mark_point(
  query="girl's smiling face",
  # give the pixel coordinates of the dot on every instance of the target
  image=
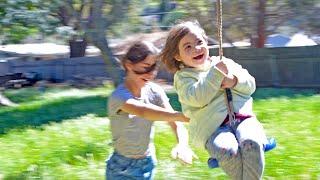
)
(193, 50)
(143, 71)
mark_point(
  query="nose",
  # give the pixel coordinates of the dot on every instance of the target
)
(197, 47)
(151, 74)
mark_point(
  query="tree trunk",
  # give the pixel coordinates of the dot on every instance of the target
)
(112, 65)
(96, 29)
(261, 10)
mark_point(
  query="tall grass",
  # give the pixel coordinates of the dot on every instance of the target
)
(64, 134)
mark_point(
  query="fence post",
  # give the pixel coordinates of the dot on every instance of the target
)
(274, 70)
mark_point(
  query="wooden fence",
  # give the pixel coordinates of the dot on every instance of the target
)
(280, 67)
(272, 67)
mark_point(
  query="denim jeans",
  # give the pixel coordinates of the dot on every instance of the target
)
(123, 168)
(239, 148)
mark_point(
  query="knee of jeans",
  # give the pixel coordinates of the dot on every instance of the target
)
(230, 152)
(222, 152)
(249, 145)
(217, 151)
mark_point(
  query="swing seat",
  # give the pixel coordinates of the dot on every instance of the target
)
(213, 162)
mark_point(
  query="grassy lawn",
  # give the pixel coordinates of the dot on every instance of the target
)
(63, 133)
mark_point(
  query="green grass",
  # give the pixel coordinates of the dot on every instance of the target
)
(63, 133)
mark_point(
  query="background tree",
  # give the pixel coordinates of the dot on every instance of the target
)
(254, 20)
(93, 19)
(22, 18)
(89, 20)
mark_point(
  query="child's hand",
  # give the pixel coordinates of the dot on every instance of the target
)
(222, 66)
(185, 119)
(229, 81)
(183, 153)
(182, 117)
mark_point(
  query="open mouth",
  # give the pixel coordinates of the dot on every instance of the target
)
(198, 57)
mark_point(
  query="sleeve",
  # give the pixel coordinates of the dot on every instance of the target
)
(116, 100)
(246, 83)
(197, 91)
(160, 95)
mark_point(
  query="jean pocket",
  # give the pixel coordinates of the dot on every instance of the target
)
(147, 164)
(117, 163)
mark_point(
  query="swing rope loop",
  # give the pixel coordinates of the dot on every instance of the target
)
(228, 94)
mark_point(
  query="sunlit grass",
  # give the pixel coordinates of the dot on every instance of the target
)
(64, 134)
(74, 149)
(294, 123)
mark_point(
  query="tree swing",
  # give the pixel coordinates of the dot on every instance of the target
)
(271, 143)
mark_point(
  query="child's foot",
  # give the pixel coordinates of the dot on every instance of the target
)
(213, 162)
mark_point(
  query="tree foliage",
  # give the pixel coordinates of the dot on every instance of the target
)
(241, 18)
(92, 21)
(21, 18)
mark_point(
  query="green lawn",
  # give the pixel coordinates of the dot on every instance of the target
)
(63, 133)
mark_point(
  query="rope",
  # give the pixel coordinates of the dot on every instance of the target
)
(219, 20)
(228, 95)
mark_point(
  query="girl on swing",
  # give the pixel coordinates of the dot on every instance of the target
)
(200, 82)
(133, 107)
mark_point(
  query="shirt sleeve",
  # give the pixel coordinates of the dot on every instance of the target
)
(197, 90)
(160, 95)
(246, 83)
(116, 100)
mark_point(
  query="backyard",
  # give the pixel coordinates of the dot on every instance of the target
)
(63, 133)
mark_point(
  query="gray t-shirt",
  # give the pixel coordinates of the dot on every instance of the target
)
(132, 135)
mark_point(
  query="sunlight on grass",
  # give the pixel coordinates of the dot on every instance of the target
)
(72, 93)
(65, 135)
(293, 121)
(36, 109)
(33, 94)
(76, 143)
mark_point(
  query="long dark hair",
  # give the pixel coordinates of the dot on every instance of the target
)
(138, 51)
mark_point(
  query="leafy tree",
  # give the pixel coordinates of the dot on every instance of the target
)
(254, 19)
(297, 14)
(91, 21)
(22, 18)
(85, 20)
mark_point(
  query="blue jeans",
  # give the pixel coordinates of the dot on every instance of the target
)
(239, 148)
(123, 168)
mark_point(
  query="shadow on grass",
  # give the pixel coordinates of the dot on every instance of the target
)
(66, 108)
(69, 108)
(266, 93)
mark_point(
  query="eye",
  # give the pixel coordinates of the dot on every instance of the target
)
(187, 47)
(147, 69)
(200, 42)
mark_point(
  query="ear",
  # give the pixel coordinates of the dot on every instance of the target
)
(127, 65)
(177, 57)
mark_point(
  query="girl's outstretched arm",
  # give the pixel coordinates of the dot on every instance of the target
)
(152, 112)
(182, 150)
